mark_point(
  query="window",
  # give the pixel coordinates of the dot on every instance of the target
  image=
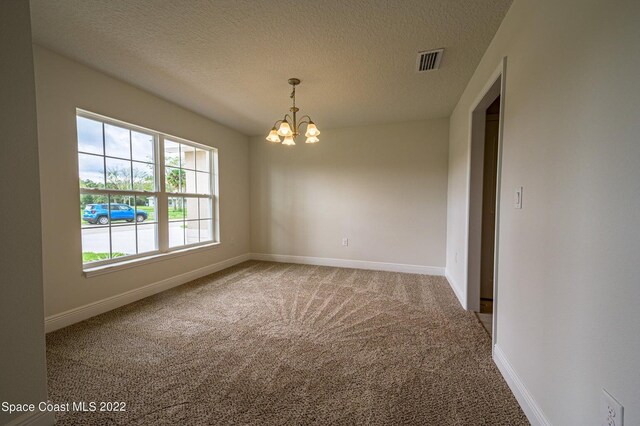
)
(188, 181)
(141, 192)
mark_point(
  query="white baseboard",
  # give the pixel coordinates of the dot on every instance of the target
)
(64, 319)
(456, 290)
(36, 418)
(57, 321)
(520, 391)
(346, 263)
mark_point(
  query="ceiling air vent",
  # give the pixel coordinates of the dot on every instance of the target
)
(429, 60)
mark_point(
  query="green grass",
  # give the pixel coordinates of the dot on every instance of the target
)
(176, 214)
(89, 256)
(151, 212)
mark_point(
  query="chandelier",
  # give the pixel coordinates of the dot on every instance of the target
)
(289, 127)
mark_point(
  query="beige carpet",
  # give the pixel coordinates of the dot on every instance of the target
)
(266, 343)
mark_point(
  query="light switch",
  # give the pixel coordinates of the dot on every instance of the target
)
(518, 199)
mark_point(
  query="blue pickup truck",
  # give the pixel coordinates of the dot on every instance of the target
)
(99, 213)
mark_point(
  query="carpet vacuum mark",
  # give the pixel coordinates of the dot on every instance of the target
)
(269, 343)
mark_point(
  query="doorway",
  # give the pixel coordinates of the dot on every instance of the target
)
(483, 226)
(488, 233)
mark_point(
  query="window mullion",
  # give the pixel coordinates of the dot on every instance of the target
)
(98, 191)
(104, 158)
(190, 195)
(110, 237)
(215, 195)
(162, 200)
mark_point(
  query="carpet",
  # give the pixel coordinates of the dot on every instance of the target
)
(270, 343)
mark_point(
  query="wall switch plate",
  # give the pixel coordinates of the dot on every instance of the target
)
(345, 242)
(611, 411)
(518, 199)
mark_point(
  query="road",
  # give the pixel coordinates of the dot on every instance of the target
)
(123, 237)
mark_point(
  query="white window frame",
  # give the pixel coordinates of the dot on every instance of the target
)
(161, 196)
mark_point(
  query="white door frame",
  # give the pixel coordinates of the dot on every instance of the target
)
(494, 87)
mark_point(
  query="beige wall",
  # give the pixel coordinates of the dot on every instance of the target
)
(62, 85)
(384, 187)
(568, 292)
(23, 376)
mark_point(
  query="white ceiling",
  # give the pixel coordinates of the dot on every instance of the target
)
(229, 60)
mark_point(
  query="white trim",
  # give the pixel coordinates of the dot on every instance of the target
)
(525, 399)
(347, 263)
(160, 193)
(456, 290)
(473, 286)
(121, 123)
(36, 418)
(63, 319)
(496, 246)
(72, 316)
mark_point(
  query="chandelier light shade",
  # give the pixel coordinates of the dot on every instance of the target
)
(312, 130)
(285, 129)
(273, 136)
(289, 127)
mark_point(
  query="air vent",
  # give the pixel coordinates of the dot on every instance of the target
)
(430, 60)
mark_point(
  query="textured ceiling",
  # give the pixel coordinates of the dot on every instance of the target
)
(230, 59)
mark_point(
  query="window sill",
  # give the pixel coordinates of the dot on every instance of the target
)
(140, 261)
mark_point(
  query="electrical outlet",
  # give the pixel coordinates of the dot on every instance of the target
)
(611, 411)
(345, 242)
